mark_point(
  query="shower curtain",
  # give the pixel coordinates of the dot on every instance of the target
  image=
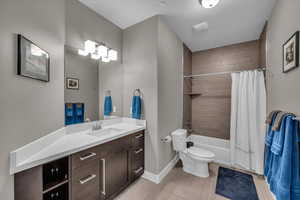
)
(248, 114)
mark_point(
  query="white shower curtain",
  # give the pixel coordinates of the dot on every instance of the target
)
(248, 114)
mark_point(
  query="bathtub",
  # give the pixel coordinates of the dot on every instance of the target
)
(220, 147)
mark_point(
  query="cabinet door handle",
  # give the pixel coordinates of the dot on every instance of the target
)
(138, 151)
(103, 176)
(87, 179)
(139, 136)
(138, 170)
(87, 156)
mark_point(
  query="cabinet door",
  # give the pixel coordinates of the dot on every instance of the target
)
(115, 173)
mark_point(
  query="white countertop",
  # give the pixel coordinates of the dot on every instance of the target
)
(70, 140)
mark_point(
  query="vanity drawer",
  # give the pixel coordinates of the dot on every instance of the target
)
(85, 157)
(137, 162)
(138, 139)
(138, 154)
(85, 182)
(137, 169)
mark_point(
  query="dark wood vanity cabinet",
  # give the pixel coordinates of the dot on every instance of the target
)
(137, 155)
(98, 173)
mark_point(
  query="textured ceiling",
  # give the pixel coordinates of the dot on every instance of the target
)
(230, 22)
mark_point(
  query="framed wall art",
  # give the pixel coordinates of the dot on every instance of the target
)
(72, 83)
(291, 53)
(33, 62)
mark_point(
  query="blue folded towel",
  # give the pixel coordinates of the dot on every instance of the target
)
(136, 107)
(107, 105)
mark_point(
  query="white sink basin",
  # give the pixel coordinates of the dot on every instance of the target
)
(105, 132)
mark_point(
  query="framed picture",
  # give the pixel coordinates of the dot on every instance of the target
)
(291, 53)
(33, 62)
(72, 83)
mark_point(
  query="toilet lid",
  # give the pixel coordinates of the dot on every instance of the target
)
(200, 152)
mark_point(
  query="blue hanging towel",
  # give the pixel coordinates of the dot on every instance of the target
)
(268, 154)
(283, 173)
(107, 105)
(136, 107)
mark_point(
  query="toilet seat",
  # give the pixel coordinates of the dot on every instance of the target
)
(199, 153)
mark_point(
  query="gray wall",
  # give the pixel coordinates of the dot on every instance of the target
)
(283, 89)
(29, 108)
(170, 89)
(83, 24)
(152, 58)
(86, 70)
(140, 71)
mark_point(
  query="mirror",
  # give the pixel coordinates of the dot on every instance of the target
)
(81, 88)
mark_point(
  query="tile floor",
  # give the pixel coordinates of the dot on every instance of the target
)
(179, 185)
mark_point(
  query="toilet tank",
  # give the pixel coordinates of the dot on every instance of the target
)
(179, 139)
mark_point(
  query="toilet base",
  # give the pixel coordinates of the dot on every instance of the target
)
(195, 167)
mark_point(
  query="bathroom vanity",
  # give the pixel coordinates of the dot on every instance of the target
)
(97, 165)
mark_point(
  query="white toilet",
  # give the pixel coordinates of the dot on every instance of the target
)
(195, 160)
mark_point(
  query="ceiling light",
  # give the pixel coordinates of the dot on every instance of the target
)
(83, 52)
(90, 46)
(113, 55)
(209, 3)
(102, 50)
(105, 59)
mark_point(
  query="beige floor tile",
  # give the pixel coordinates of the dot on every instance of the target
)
(179, 185)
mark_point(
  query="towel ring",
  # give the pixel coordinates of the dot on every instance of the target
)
(137, 92)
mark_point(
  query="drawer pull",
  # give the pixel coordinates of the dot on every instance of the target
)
(139, 136)
(87, 179)
(138, 151)
(87, 156)
(103, 176)
(138, 170)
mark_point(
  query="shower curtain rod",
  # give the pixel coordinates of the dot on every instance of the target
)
(220, 73)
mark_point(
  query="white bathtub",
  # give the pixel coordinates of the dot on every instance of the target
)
(220, 147)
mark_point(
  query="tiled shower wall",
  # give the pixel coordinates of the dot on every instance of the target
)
(187, 88)
(210, 111)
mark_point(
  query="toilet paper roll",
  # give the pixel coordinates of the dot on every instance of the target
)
(167, 139)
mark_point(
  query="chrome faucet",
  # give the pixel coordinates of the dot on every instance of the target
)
(97, 126)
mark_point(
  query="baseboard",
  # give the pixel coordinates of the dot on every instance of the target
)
(219, 162)
(151, 177)
(157, 178)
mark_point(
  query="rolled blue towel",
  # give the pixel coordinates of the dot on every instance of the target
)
(107, 105)
(136, 107)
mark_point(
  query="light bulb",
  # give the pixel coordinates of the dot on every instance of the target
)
(102, 51)
(90, 46)
(95, 56)
(113, 55)
(82, 52)
(209, 3)
(105, 59)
